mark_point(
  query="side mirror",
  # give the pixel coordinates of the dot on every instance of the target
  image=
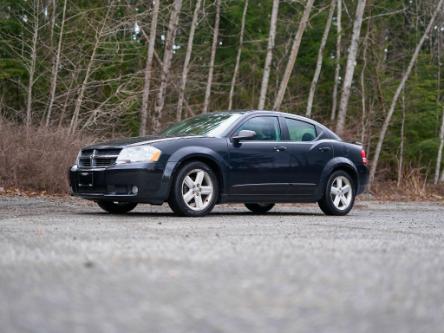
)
(244, 135)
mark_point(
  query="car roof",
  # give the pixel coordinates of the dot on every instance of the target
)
(265, 112)
(281, 114)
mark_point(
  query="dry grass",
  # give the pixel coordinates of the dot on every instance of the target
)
(37, 160)
(414, 186)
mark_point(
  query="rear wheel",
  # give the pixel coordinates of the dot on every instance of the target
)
(195, 190)
(116, 207)
(339, 196)
(259, 208)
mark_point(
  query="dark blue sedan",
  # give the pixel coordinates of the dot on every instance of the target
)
(258, 158)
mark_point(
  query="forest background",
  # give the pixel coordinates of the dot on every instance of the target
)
(74, 72)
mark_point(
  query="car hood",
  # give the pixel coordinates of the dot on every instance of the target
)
(135, 141)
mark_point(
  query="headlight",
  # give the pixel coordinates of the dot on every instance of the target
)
(138, 154)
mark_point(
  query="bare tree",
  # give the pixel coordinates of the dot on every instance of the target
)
(363, 90)
(186, 64)
(149, 68)
(293, 55)
(55, 67)
(338, 60)
(74, 76)
(166, 63)
(32, 65)
(269, 56)
(350, 67)
(1, 110)
(404, 79)
(402, 143)
(212, 57)
(320, 59)
(441, 179)
(238, 56)
(440, 150)
(98, 35)
(53, 21)
(441, 132)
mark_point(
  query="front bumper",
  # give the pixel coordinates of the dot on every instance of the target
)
(119, 183)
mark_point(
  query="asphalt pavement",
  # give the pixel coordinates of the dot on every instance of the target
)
(67, 267)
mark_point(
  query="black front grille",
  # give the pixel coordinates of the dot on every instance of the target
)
(108, 151)
(85, 162)
(101, 162)
(98, 158)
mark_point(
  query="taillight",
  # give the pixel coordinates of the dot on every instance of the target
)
(364, 157)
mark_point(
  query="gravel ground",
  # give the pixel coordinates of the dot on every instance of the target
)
(67, 267)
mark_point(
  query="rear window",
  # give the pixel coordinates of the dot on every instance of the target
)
(300, 130)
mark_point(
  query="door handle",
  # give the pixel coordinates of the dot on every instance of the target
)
(280, 148)
(324, 149)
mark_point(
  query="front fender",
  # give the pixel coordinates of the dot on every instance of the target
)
(195, 152)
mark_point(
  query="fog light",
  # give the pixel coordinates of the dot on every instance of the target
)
(135, 189)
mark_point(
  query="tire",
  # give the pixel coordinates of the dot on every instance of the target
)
(339, 195)
(195, 190)
(115, 207)
(259, 208)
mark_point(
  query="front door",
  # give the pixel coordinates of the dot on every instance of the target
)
(257, 164)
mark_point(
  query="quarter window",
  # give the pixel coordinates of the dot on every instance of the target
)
(266, 128)
(300, 130)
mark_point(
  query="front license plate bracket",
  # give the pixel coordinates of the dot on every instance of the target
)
(86, 179)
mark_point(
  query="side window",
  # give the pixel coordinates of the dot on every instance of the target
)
(300, 130)
(266, 128)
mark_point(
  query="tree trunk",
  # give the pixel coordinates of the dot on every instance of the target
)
(269, 56)
(350, 68)
(441, 179)
(53, 21)
(166, 64)
(1, 110)
(186, 64)
(293, 55)
(55, 67)
(441, 132)
(363, 90)
(338, 61)
(74, 77)
(238, 56)
(32, 65)
(401, 145)
(174, 85)
(440, 150)
(318, 69)
(148, 68)
(399, 90)
(363, 106)
(75, 117)
(212, 58)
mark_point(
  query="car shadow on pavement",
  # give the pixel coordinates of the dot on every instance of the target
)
(172, 215)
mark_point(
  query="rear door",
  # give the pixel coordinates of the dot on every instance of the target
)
(307, 155)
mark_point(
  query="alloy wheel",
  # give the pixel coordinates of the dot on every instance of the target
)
(341, 193)
(197, 189)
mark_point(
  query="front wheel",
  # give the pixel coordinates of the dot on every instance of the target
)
(339, 196)
(115, 207)
(195, 190)
(259, 208)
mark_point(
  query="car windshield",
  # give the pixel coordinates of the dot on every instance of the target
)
(208, 125)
